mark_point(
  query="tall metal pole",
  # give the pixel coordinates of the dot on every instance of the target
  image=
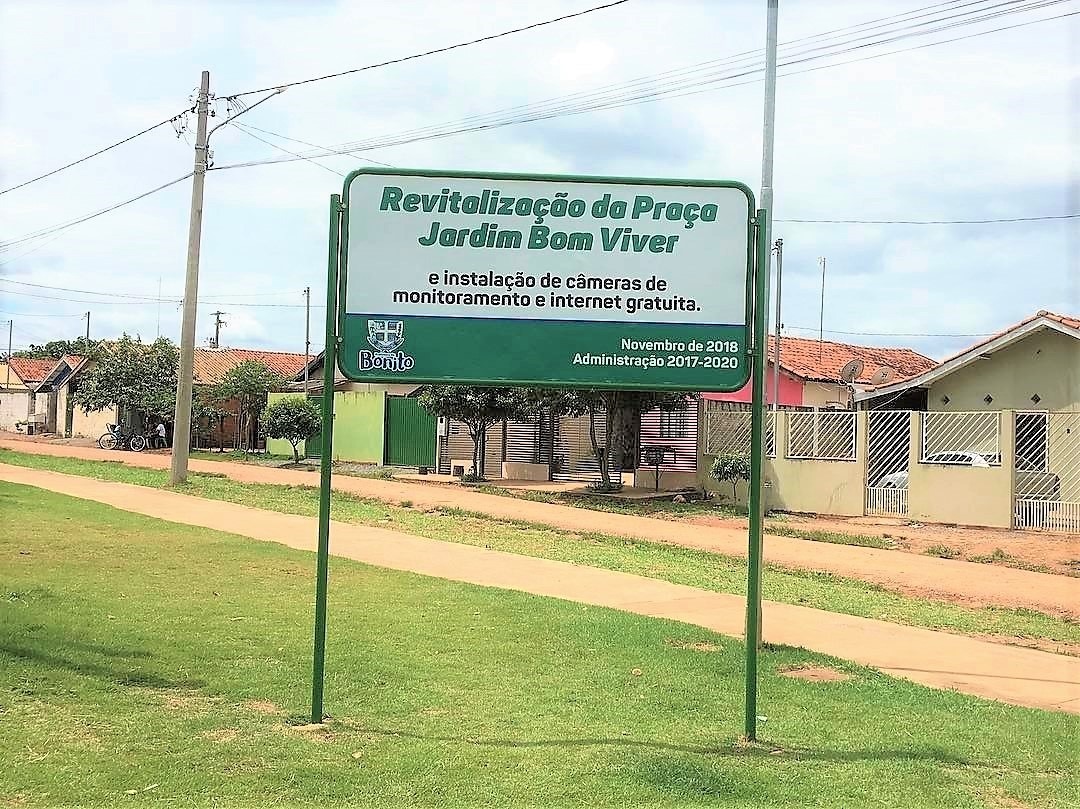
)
(10, 327)
(821, 319)
(87, 331)
(776, 327)
(307, 336)
(322, 563)
(182, 415)
(757, 413)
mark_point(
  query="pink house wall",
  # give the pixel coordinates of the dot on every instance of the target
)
(791, 391)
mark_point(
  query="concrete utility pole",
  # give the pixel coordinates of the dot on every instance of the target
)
(218, 323)
(307, 335)
(182, 416)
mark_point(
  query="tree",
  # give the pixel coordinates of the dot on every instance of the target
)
(293, 418)
(622, 410)
(478, 409)
(206, 404)
(248, 383)
(731, 468)
(132, 376)
(58, 348)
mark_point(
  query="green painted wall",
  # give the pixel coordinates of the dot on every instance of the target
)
(279, 446)
(1046, 363)
(359, 426)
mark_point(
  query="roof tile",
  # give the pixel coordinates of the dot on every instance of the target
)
(823, 360)
(30, 370)
(212, 364)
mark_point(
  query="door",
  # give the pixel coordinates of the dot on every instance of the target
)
(410, 433)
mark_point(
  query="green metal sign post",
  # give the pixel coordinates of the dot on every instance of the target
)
(536, 280)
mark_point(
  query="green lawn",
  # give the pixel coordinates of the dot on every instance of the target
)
(147, 663)
(680, 565)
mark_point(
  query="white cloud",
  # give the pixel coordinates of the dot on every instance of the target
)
(973, 129)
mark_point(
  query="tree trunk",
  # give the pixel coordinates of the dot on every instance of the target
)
(296, 452)
(476, 432)
(624, 423)
(600, 453)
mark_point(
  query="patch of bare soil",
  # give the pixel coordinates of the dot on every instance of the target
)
(701, 646)
(1043, 644)
(189, 702)
(262, 706)
(221, 734)
(1031, 550)
(816, 674)
(312, 732)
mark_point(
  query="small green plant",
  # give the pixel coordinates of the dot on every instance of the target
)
(731, 468)
(473, 477)
(997, 557)
(406, 504)
(600, 487)
(944, 551)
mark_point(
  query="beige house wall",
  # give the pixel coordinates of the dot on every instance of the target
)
(93, 424)
(1045, 363)
(825, 394)
(964, 495)
(810, 486)
(14, 407)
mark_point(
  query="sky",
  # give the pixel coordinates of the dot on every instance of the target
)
(983, 128)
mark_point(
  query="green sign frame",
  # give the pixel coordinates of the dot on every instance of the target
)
(757, 292)
(622, 353)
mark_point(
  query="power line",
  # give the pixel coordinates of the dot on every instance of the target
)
(128, 299)
(432, 52)
(91, 155)
(888, 333)
(311, 160)
(930, 221)
(313, 145)
(65, 225)
(544, 111)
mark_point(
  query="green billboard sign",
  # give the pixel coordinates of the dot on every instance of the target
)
(513, 279)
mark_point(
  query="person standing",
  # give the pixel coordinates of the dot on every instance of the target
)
(160, 442)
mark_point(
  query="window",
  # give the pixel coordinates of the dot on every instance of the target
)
(673, 424)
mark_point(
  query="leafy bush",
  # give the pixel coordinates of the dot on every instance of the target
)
(292, 418)
(731, 468)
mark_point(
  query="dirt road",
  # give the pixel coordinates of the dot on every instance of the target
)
(937, 659)
(956, 581)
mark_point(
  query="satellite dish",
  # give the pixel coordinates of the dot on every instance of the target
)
(881, 376)
(851, 371)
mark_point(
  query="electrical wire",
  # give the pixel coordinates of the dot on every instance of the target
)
(887, 333)
(540, 112)
(312, 160)
(313, 145)
(93, 154)
(432, 52)
(931, 221)
(65, 225)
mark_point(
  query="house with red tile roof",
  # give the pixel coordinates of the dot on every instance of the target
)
(811, 371)
(57, 413)
(18, 377)
(1032, 365)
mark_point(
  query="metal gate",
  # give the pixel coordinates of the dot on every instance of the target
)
(573, 457)
(888, 455)
(1046, 476)
(410, 433)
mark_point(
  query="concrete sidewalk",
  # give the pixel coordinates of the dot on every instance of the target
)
(958, 581)
(941, 660)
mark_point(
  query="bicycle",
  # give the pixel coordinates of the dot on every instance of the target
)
(116, 438)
